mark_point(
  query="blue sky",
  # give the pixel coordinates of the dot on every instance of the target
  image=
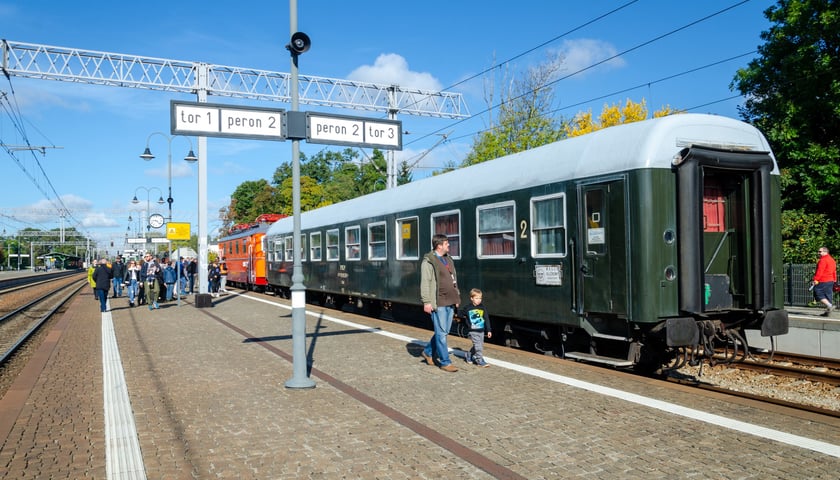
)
(100, 131)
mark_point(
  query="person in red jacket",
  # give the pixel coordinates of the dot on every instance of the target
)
(824, 279)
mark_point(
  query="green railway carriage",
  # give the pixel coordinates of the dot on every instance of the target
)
(624, 245)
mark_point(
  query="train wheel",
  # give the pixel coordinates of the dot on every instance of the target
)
(374, 308)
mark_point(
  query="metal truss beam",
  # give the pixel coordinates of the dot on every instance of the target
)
(121, 70)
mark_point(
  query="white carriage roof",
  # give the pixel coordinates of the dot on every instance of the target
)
(647, 144)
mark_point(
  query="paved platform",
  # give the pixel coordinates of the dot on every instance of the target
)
(809, 334)
(183, 393)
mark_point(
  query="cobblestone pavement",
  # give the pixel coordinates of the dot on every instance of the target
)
(207, 389)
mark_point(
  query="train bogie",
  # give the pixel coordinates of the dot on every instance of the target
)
(622, 245)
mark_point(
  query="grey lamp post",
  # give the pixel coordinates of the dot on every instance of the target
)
(148, 204)
(147, 155)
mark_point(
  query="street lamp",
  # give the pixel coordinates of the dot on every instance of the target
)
(147, 155)
(148, 202)
(139, 214)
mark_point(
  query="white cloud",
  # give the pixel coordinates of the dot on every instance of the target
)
(180, 169)
(392, 69)
(582, 53)
(72, 202)
(99, 220)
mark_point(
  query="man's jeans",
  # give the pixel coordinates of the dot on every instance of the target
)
(437, 347)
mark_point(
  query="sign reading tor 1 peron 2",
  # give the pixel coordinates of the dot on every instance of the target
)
(215, 120)
(356, 131)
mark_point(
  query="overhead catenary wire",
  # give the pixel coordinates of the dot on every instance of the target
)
(584, 69)
(12, 110)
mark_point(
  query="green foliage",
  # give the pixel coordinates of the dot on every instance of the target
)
(793, 96)
(243, 202)
(804, 233)
(325, 178)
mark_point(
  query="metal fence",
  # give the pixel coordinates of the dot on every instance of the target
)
(797, 281)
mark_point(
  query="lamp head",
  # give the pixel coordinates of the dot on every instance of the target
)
(147, 155)
(134, 200)
(191, 157)
(160, 200)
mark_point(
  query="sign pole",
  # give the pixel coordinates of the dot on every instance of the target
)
(300, 378)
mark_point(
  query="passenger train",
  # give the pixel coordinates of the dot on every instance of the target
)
(642, 245)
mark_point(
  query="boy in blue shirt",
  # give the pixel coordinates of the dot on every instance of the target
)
(478, 322)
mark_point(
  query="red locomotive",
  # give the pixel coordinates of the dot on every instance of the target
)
(243, 250)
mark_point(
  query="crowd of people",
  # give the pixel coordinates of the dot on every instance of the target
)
(151, 280)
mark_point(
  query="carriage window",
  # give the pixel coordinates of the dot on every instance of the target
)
(289, 248)
(352, 243)
(302, 247)
(596, 235)
(278, 250)
(315, 246)
(548, 226)
(449, 224)
(377, 249)
(332, 244)
(714, 206)
(496, 231)
(408, 246)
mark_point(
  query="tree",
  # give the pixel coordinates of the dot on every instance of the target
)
(612, 115)
(311, 195)
(803, 234)
(524, 121)
(243, 207)
(793, 97)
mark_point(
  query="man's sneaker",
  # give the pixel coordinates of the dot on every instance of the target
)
(482, 363)
(449, 368)
(467, 357)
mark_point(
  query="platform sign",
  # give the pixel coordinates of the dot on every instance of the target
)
(353, 131)
(178, 230)
(218, 120)
(136, 240)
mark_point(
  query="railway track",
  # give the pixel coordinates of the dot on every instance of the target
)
(802, 382)
(803, 367)
(20, 324)
(10, 285)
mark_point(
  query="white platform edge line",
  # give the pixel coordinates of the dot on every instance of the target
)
(123, 459)
(728, 423)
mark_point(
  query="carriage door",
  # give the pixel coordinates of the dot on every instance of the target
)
(252, 277)
(603, 247)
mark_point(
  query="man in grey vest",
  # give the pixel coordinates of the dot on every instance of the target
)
(440, 296)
